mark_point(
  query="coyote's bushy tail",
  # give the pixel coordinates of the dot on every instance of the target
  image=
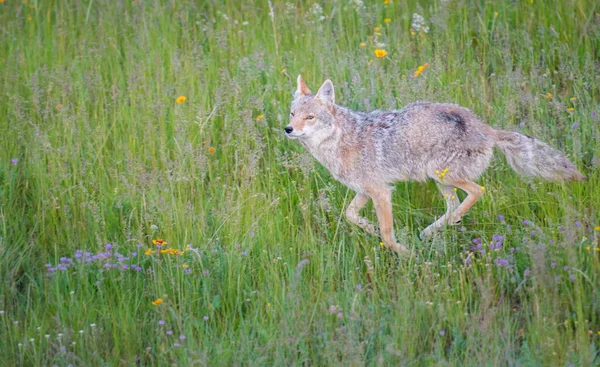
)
(530, 157)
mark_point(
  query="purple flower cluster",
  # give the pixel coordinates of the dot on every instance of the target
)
(496, 242)
(501, 262)
(108, 259)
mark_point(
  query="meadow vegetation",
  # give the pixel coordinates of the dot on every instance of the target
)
(152, 211)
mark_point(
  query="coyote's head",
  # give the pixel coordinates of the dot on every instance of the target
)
(311, 115)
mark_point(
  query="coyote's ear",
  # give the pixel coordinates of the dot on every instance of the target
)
(302, 89)
(326, 92)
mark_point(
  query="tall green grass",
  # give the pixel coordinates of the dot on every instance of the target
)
(96, 151)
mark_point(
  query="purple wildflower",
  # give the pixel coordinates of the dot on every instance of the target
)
(176, 345)
(188, 271)
(553, 265)
(468, 261)
(572, 277)
(206, 272)
(161, 322)
(575, 124)
(527, 222)
(501, 217)
(565, 268)
(169, 332)
(107, 265)
(14, 161)
(532, 233)
(359, 287)
(244, 253)
(182, 337)
(108, 247)
(526, 272)
(578, 224)
(593, 114)
(522, 124)
(442, 332)
(205, 318)
(501, 262)
(251, 233)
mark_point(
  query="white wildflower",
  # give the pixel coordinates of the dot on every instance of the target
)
(419, 24)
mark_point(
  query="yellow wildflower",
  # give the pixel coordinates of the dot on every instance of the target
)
(549, 95)
(385, 2)
(268, 304)
(370, 62)
(597, 228)
(380, 244)
(185, 266)
(165, 250)
(387, 20)
(362, 44)
(159, 241)
(572, 99)
(58, 106)
(588, 248)
(482, 188)
(412, 32)
(377, 29)
(380, 53)
(149, 252)
(211, 150)
(496, 14)
(157, 302)
(378, 33)
(420, 69)
(570, 109)
(181, 99)
(259, 117)
(283, 70)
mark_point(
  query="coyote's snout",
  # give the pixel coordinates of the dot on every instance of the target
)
(369, 151)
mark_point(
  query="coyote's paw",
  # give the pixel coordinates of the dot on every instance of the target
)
(399, 249)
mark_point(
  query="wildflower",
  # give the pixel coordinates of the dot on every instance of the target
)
(268, 304)
(205, 318)
(161, 322)
(553, 265)
(495, 14)
(283, 70)
(549, 95)
(370, 62)
(169, 332)
(157, 302)
(211, 150)
(149, 252)
(572, 99)
(362, 44)
(597, 228)
(379, 53)
(501, 262)
(501, 217)
(182, 337)
(377, 29)
(176, 345)
(387, 20)
(332, 309)
(181, 99)
(259, 117)
(418, 22)
(468, 261)
(420, 69)
(340, 315)
(565, 268)
(570, 109)
(359, 287)
(14, 161)
(588, 248)
(185, 266)
(442, 332)
(527, 222)
(159, 241)
(380, 244)
(385, 2)
(58, 106)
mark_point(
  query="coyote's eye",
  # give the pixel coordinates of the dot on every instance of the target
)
(292, 114)
(310, 117)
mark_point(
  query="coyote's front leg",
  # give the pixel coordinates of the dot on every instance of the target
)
(382, 197)
(353, 213)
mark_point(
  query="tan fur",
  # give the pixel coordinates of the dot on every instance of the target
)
(369, 151)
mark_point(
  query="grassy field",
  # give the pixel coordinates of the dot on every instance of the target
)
(126, 122)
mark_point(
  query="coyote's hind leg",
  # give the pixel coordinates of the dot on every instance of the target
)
(474, 192)
(353, 213)
(452, 203)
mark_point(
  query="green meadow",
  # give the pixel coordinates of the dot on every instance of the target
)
(152, 211)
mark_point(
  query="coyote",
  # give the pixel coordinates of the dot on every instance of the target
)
(369, 151)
